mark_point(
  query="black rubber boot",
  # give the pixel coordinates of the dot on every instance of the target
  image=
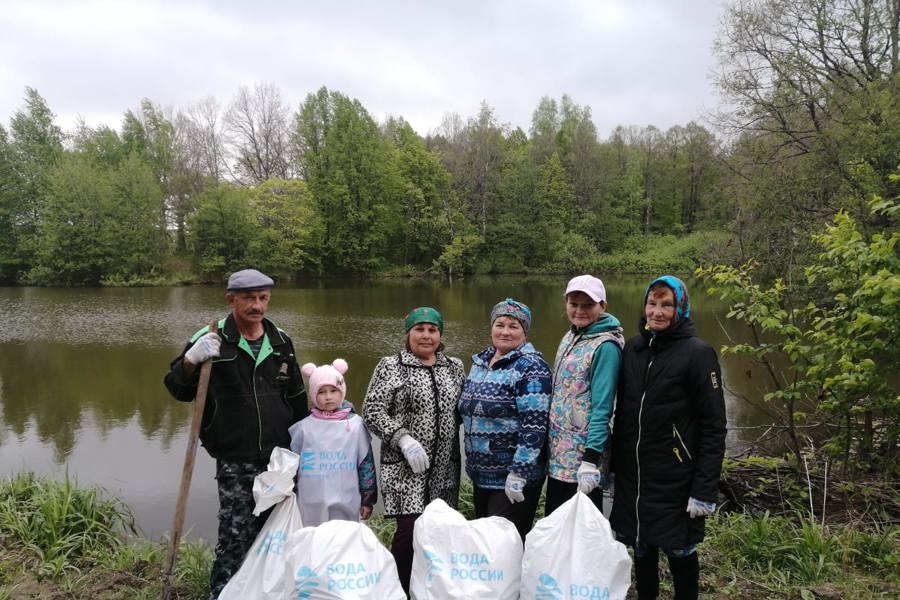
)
(646, 575)
(685, 576)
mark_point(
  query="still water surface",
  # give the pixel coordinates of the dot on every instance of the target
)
(81, 369)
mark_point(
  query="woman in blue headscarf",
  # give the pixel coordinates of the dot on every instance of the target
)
(668, 440)
(504, 407)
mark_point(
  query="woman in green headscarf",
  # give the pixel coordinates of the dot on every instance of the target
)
(411, 406)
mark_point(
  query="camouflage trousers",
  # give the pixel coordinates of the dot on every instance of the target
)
(238, 526)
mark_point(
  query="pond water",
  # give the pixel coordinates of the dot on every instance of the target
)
(81, 369)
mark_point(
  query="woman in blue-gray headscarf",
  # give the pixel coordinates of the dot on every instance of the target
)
(668, 440)
(504, 407)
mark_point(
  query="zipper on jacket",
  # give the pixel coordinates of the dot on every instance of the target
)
(258, 414)
(676, 434)
(437, 433)
(637, 454)
(256, 363)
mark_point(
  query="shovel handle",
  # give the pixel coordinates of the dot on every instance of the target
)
(186, 473)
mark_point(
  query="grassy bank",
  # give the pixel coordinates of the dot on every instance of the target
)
(60, 541)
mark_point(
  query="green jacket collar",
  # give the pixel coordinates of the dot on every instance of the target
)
(606, 322)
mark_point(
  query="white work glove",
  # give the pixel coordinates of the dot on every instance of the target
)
(414, 454)
(589, 477)
(515, 488)
(206, 347)
(699, 508)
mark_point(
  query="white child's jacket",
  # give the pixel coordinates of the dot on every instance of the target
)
(332, 448)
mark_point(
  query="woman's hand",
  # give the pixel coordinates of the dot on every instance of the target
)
(414, 454)
(699, 508)
(515, 488)
(589, 477)
(365, 512)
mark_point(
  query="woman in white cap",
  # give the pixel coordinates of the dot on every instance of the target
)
(585, 374)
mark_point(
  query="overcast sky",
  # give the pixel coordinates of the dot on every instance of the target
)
(634, 62)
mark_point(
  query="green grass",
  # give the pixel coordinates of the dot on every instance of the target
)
(58, 540)
(788, 555)
(60, 523)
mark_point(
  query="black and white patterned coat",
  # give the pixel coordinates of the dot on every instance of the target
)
(406, 396)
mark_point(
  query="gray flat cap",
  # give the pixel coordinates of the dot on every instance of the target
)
(249, 279)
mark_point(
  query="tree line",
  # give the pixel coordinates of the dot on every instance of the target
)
(195, 192)
(327, 189)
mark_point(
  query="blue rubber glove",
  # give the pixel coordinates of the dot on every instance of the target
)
(699, 508)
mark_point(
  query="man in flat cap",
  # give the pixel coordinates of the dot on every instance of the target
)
(255, 394)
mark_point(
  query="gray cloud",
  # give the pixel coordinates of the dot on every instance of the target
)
(639, 62)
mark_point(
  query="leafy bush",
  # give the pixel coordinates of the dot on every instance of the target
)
(838, 344)
(664, 253)
(573, 253)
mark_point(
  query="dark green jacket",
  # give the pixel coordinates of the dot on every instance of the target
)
(251, 402)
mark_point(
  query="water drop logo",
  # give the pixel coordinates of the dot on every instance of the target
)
(308, 461)
(547, 588)
(435, 566)
(305, 583)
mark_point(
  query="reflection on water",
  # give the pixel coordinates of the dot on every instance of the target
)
(81, 370)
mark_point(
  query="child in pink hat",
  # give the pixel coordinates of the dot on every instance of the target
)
(336, 478)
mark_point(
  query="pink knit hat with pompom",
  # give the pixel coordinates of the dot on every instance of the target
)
(332, 374)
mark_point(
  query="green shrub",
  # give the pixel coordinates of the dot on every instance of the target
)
(665, 253)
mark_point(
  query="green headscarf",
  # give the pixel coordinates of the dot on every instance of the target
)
(425, 314)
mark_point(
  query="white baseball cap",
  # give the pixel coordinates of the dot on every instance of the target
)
(588, 284)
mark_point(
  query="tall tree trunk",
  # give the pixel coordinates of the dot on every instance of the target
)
(895, 42)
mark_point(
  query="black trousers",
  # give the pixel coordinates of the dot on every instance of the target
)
(685, 574)
(494, 503)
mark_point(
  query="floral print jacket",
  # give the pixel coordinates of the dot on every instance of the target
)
(585, 374)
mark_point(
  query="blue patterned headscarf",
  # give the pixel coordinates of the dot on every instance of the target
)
(514, 309)
(682, 301)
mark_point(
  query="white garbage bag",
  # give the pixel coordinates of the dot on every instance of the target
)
(342, 559)
(336, 560)
(456, 559)
(572, 555)
(264, 574)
